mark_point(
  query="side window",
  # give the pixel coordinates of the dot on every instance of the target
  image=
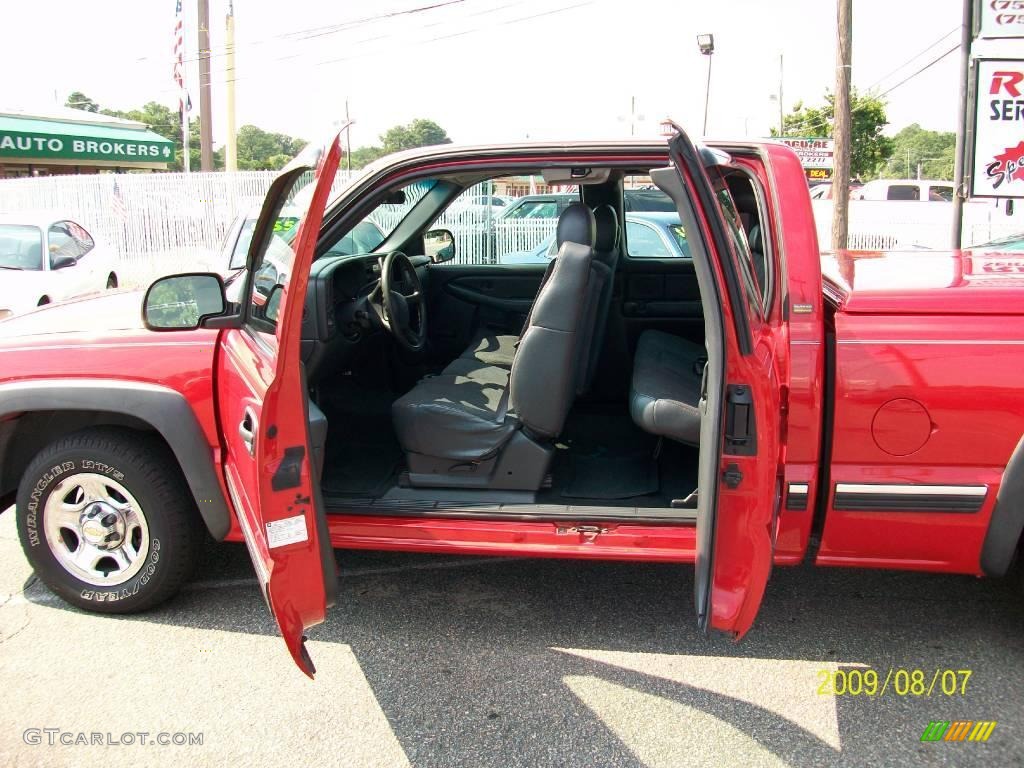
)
(68, 240)
(741, 246)
(903, 192)
(273, 264)
(644, 242)
(941, 193)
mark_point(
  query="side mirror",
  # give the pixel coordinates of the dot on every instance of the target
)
(273, 305)
(439, 245)
(62, 262)
(182, 302)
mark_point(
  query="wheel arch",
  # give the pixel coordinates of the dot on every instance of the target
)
(1004, 528)
(33, 414)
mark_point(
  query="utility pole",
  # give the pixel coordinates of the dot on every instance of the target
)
(960, 164)
(841, 128)
(231, 144)
(205, 119)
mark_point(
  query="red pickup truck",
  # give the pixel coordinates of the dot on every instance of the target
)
(722, 404)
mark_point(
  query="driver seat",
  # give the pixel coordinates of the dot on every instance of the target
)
(496, 432)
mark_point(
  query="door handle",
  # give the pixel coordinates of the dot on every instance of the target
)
(247, 431)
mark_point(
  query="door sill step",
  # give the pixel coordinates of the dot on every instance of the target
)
(339, 505)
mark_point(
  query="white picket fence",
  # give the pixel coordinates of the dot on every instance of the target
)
(160, 223)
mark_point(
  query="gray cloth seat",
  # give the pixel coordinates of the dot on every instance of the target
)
(498, 349)
(665, 395)
(453, 417)
(473, 412)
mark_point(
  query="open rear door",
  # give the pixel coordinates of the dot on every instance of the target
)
(741, 419)
(269, 466)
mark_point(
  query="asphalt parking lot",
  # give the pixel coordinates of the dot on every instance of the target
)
(457, 661)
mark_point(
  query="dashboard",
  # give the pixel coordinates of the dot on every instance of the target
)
(338, 318)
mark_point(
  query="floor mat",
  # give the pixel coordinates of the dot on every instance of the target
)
(363, 456)
(360, 469)
(603, 476)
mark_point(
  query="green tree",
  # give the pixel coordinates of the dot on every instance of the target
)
(260, 150)
(934, 151)
(78, 100)
(869, 148)
(418, 133)
(365, 155)
(257, 149)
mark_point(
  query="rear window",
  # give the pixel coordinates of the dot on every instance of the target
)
(648, 200)
(904, 192)
(535, 209)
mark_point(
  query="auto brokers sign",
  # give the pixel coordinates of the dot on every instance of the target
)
(998, 168)
(44, 146)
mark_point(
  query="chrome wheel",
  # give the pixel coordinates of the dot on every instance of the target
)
(96, 529)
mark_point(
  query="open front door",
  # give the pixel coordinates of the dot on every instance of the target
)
(269, 466)
(740, 403)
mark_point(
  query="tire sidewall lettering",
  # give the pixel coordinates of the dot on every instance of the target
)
(33, 514)
(38, 494)
(127, 590)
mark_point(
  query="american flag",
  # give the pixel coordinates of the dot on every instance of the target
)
(117, 203)
(184, 102)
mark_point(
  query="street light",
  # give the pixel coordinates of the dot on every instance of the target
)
(706, 43)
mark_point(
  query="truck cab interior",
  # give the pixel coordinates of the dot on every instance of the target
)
(456, 384)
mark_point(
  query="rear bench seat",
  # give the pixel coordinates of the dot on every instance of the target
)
(665, 395)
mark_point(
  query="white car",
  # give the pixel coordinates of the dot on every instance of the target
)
(46, 258)
(906, 189)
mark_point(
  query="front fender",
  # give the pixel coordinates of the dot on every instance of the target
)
(165, 410)
(1007, 522)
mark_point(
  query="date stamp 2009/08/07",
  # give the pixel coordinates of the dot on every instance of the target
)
(894, 682)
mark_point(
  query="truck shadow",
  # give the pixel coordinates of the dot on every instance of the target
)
(480, 661)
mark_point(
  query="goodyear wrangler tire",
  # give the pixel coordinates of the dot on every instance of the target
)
(106, 521)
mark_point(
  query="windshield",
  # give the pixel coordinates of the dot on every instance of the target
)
(21, 247)
(378, 225)
(679, 235)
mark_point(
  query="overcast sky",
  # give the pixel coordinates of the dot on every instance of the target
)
(489, 70)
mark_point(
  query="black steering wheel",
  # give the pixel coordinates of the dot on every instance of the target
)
(404, 312)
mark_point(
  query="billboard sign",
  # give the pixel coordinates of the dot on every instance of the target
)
(816, 155)
(998, 166)
(1001, 18)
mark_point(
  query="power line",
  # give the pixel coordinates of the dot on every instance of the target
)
(425, 41)
(321, 31)
(930, 64)
(908, 78)
(806, 122)
(913, 58)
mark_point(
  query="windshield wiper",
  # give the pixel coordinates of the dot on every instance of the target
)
(5, 266)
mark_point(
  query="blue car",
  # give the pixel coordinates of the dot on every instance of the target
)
(649, 235)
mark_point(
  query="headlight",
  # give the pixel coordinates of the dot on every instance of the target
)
(5, 313)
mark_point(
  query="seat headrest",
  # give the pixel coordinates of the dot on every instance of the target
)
(576, 225)
(607, 228)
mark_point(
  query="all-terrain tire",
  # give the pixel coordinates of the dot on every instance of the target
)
(89, 490)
